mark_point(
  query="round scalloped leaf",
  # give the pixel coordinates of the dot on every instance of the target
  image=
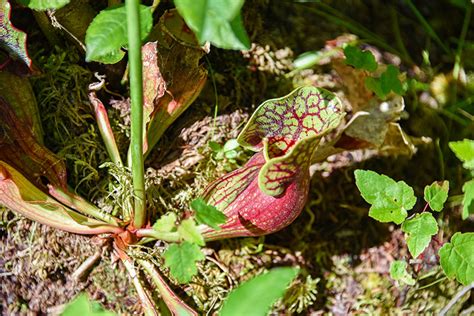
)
(282, 122)
(457, 257)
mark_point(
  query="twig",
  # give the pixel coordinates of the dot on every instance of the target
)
(86, 266)
(456, 298)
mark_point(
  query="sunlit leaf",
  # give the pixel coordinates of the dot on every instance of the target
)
(216, 21)
(387, 82)
(107, 33)
(11, 38)
(181, 259)
(464, 150)
(166, 223)
(398, 272)
(436, 194)
(419, 230)
(256, 296)
(457, 257)
(81, 305)
(189, 231)
(207, 214)
(389, 199)
(44, 4)
(468, 199)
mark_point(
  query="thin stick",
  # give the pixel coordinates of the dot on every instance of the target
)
(456, 298)
(136, 94)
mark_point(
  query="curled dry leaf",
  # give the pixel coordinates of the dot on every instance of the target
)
(269, 192)
(179, 57)
(154, 86)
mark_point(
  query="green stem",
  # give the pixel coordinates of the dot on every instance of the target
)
(136, 94)
(172, 301)
(165, 236)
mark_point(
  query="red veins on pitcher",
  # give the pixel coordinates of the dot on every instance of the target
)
(270, 191)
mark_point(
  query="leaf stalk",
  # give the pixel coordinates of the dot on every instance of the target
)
(136, 95)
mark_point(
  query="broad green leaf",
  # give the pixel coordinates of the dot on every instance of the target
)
(390, 200)
(81, 305)
(307, 59)
(436, 194)
(181, 259)
(360, 59)
(207, 214)
(216, 147)
(464, 150)
(468, 199)
(398, 272)
(44, 4)
(387, 82)
(188, 231)
(231, 144)
(216, 21)
(256, 296)
(419, 230)
(11, 38)
(107, 33)
(166, 223)
(457, 257)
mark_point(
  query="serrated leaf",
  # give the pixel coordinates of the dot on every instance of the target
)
(11, 38)
(360, 59)
(189, 231)
(468, 199)
(166, 223)
(44, 4)
(387, 82)
(216, 21)
(464, 150)
(216, 147)
(436, 194)
(256, 296)
(398, 272)
(457, 257)
(389, 200)
(81, 305)
(181, 259)
(208, 214)
(107, 33)
(419, 230)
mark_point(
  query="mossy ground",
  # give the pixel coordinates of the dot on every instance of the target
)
(344, 255)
